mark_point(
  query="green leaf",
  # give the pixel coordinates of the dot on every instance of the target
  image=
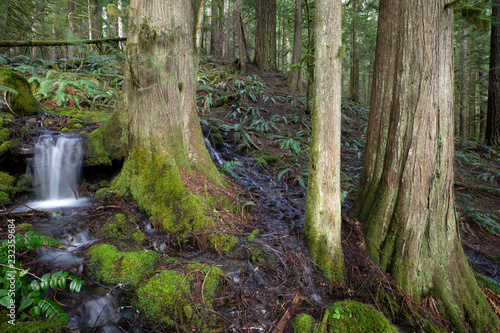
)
(23, 272)
(5, 301)
(44, 285)
(62, 283)
(35, 311)
(54, 283)
(45, 277)
(25, 302)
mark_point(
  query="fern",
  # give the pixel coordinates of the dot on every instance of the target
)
(230, 167)
(489, 222)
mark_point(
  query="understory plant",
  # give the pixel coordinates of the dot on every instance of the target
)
(21, 292)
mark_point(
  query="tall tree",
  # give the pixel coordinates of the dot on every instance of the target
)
(265, 39)
(406, 197)
(162, 128)
(295, 72)
(493, 112)
(464, 103)
(322, 217)
(354, 79)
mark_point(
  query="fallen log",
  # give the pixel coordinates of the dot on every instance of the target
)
(14, 43)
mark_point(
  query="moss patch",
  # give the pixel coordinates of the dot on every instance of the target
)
(351, 316)
(22, 103)
(121, 228)
(39, 326)
(181, 296)
(304, 323)
(6, 187)
(111, 266)
(96, 153)
(222, 243)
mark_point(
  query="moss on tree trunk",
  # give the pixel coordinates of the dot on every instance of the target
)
(322, 218)
(158, 101)
(406, 196)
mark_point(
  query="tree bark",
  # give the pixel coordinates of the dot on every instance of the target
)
(71, 26)
(295, 71)
(6, 22)
(265, 48)
(158, 103)
(493, 112)
(215, 35)
(406, 196)
(322, 217)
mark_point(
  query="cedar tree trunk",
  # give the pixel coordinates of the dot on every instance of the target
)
(158, 101)
(406, 197)
(493, 113)
(322, 217)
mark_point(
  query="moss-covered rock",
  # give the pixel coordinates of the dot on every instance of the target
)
(351, 316)
(304, 323)
(22, 103)
(171, 296)
(217, 140)
(106, 143)
(222, 243)
(111, 266)
(121, 228)
(264, 158)
(6, 187)
(103, 193)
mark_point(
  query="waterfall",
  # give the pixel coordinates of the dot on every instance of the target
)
(57, 164)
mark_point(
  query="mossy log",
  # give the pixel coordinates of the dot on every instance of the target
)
(15, 94)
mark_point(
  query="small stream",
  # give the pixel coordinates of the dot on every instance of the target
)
(280, 222)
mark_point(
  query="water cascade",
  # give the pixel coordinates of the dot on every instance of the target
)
(57, 164)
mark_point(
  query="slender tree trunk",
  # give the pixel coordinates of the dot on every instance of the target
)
(96, 19)
(322, 218)
(464, 103)
(406, 196)
(6, 22)
(265, 48)
(214, 25)
(295, 77)
(354, 80)
(241, 45)
(71, 26)
(493, 112)
(158, 102)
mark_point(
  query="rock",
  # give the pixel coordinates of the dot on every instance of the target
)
(15, 92)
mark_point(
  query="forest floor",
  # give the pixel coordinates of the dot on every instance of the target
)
(265, 133)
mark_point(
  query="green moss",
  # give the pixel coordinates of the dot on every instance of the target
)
(6, 146)
(81, 115)
(220, 101)
(265, 156)
(121, 228)
(252, 236)
(23, 103)
(171, 296)
(39, 326)
(24, 181)
(304, 323)
(6, 187)
(154, 181)
(96, 153)
(351, 316)
(4, 198)
(110, 266)
(103, 193)
(65, 129)
(217, 140)
(222, 243)
(4, 134)
(428, 327)
(24, 227)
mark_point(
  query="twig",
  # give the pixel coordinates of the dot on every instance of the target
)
(7, 103)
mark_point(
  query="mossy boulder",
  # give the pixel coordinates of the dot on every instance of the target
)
(6, 187)
(351, 316)
(264, 158)
(106, 143)
(19, 96)
(345, 317)
(121, 228)
(217, 140)
(181, 295)
(111, 266)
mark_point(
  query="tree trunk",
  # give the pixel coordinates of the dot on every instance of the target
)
(215, 34)
(6, 22)
(96, 10)
(158, 102)
(322, 217)
(71, 27)
(241, 45)
(406, 196)
(354, 80)
(464, 109)
(493, 112)
(265, 48)
(295, 77)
